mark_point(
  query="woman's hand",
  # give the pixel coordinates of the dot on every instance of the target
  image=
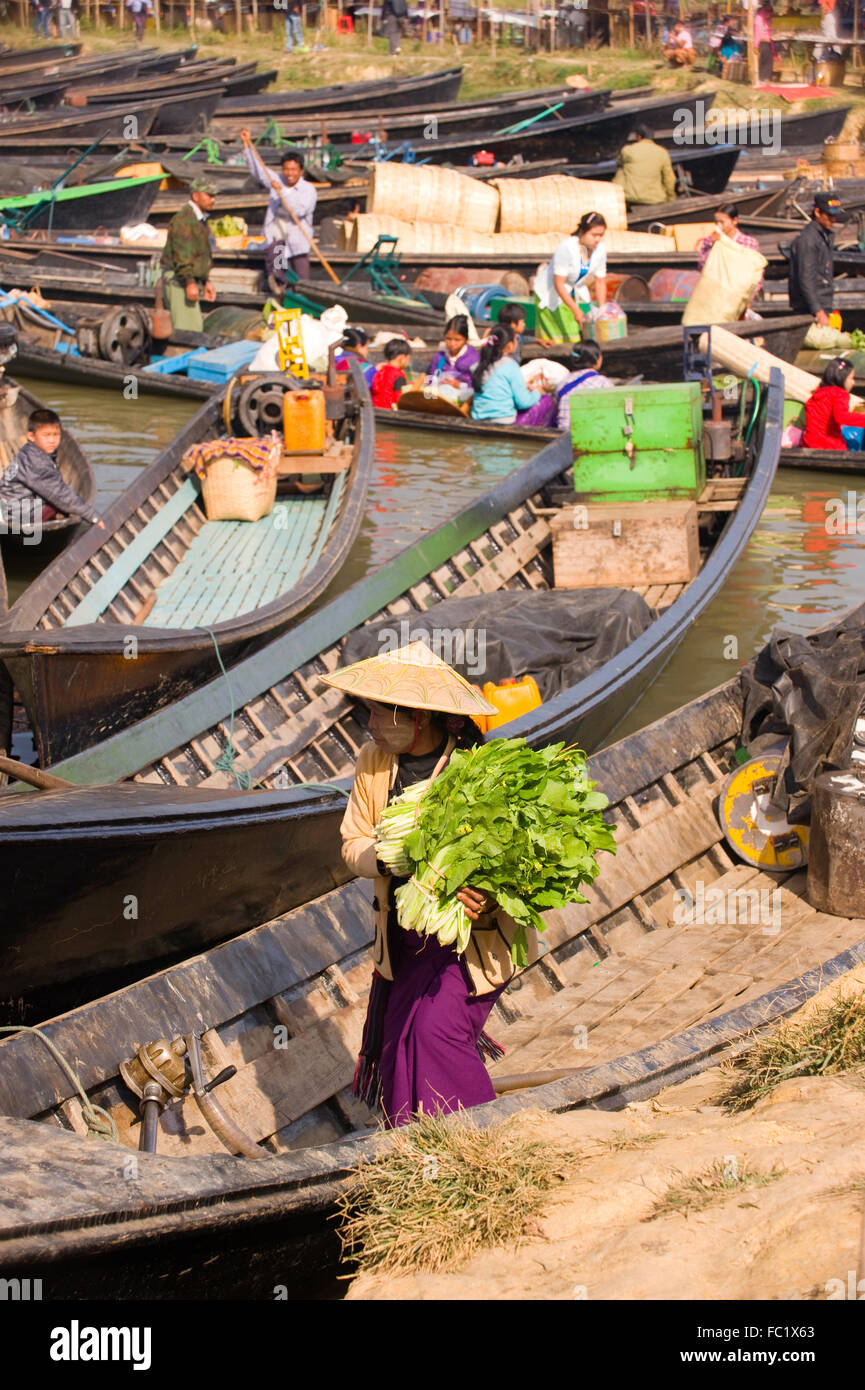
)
(476, 902)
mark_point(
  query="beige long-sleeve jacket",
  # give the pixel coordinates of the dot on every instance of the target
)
(488, 956)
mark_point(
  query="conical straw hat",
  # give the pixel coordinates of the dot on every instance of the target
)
(413, 677)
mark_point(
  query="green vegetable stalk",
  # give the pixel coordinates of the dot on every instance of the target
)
(522, 824)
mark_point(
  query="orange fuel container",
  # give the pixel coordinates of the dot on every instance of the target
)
(303, 421)
(511, 698)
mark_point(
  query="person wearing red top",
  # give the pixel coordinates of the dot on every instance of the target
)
(829, 408)
(391, 375)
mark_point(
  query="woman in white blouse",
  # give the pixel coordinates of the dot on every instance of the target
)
(562, 285)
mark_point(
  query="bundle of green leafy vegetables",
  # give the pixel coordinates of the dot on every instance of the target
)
(522, 824)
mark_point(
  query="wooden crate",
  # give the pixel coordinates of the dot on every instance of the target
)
(625, 545)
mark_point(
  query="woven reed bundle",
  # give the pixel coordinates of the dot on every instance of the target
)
(427, 193)
(635, 243)
(437, 239)
(557, 202)
(742, 357)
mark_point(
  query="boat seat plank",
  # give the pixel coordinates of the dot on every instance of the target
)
(234, 566)
(106, 589)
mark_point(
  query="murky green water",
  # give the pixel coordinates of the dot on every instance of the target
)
(419, 478)
(792, 571)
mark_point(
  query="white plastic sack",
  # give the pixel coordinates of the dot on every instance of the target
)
(543, 374)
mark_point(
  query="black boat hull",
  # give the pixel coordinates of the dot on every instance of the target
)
(434, 88)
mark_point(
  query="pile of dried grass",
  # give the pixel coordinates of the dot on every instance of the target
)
(829, 1039)
(444, 1190)
(706, 1189)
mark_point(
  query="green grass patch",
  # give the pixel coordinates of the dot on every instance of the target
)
(713, 1185)
(444, 1190)
(831, 1039)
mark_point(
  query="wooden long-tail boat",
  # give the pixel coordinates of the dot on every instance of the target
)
(65, 125)
(415, 123)
(114, 203)
(285, 728)
(246, 1176)
(826, 461)
(806, 128)
(434, 87)
(191, 595)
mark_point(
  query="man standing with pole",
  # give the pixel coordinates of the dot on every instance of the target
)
(288, 220)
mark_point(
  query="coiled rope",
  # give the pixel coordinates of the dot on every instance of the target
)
(100, 1125)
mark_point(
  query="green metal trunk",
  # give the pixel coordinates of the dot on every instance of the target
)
(664, 426)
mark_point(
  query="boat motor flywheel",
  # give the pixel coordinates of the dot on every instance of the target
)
(124, 336)
(259, 404)
(753, 827)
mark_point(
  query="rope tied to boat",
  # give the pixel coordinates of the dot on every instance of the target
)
(100, 1125)
(230, 753)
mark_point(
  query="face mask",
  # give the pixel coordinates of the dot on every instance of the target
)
(393, 730)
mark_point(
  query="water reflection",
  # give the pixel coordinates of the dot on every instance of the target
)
(795, 571)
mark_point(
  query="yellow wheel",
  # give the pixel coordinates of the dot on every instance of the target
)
(753, 828)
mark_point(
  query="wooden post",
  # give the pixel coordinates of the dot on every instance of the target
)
(238, 18)
(369, 25)
(192, 18)
(631, 25)
(157, 17)
(255, 15)
(753, 66)
(648, 23)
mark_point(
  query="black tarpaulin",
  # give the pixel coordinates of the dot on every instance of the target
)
(808, 688)
(559, 637)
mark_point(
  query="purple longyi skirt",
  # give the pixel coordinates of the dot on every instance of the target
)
(429, 1057)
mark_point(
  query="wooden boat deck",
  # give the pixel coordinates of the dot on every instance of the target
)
(285, 1004)
(230, 567)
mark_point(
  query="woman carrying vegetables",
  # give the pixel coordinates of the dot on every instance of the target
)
(423, 1039)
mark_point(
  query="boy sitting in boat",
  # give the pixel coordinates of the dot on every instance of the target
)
(31, 488)
(390, 377)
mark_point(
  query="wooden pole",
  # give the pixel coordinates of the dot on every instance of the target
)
(238, 19)
(369, 25)
(34, 776)
(255, 16)
(631, 26)
(192, 18)
(157, 16)
(753, 66)
(280, 191)
(648, 23)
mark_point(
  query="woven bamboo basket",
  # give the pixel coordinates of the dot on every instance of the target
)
(234, 491)
(432, 238)
(635, 243)
(427, 193)
(744, 358)
(556, 203)
(844, 159)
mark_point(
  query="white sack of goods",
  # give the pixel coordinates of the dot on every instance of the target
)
(426, 193)
(727, 285)
(556, 203)
(542, 374)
